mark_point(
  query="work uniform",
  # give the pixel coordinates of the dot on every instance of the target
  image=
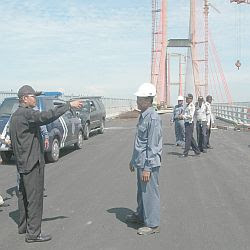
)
(210, 122)
(201, 112)
(28, 149)
(147, 156)
(189, 111)
(179, 125)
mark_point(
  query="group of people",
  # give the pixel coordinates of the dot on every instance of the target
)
(186, 117)
(28, 147)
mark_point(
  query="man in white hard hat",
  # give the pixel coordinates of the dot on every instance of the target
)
(146, 159)
(179, 122)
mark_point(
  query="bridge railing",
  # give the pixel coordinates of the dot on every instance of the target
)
(113, 106)
(232, 113)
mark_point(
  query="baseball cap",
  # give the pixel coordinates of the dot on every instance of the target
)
(27, 90)
(189, 96)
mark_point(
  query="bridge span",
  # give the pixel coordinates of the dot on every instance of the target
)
(205, 200)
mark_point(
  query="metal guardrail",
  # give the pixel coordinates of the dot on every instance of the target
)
(113, 106)
(232, 113)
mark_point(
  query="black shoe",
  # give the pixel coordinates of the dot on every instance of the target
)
(197, 153)
(204, 151)
(184, 155)
(39, 238)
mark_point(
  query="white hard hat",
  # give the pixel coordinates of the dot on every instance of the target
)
(180, 98)
(145, 90)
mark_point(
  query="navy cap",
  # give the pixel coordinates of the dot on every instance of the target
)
(190, 96)
(27, 90)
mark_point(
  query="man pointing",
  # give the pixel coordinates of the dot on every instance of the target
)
(28, 149)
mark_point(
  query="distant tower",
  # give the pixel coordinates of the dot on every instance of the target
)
(159, 43)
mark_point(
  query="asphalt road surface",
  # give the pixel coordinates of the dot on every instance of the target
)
(205, 200)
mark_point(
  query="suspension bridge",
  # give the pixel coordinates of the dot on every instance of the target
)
(204, 200)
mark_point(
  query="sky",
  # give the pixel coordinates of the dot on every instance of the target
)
(103, 47)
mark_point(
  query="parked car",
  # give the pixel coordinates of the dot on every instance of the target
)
(66, 130)
(92, 115)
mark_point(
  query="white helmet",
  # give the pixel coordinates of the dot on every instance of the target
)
(180, 98)
(145, 90)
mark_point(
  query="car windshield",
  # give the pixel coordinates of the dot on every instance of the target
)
(9, 106)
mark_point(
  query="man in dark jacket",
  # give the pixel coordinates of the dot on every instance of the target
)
(28, 149)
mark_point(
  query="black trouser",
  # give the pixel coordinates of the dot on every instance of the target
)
(208, 134)
(201, 129)
(189, 139)
(30, 201)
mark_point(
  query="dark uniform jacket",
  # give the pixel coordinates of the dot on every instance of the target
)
(26, 137)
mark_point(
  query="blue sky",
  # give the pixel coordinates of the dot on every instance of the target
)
(102, 47)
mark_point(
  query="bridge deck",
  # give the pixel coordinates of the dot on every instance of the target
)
(205, 201)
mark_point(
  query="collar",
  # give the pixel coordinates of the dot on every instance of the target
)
(147, 111)
(22, 105)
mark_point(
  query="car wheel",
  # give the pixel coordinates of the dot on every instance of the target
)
(101, 129)
(53, 155)
(79, 143)
(86, 131)
(6, 156)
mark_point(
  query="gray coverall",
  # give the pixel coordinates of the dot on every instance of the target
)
(147, 156)
(179, 125)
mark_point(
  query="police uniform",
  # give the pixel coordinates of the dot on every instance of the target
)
(179, 125)
(201, 113)
(28, 149)
(189, 111)
(147, 156)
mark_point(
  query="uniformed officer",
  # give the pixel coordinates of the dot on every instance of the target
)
(189, 126)
(146, 159)
(28, 149)
(201, 113)
(210, 119)
(1, 200)
(179, 122)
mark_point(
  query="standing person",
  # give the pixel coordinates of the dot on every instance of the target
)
(179, 122)
(188, 117)
(201, 112)
(1, 200)
(146, 159)
(210, 119)
(28, 149)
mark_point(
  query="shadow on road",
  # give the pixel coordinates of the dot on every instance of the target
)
(121, 213)
(168, 144)
(175, 153)
(14, 215)
(55, 218)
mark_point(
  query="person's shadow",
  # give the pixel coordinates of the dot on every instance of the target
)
(175, 153)
(121, 213)
(14, 215)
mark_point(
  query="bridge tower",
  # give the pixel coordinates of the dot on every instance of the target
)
(159, 43)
